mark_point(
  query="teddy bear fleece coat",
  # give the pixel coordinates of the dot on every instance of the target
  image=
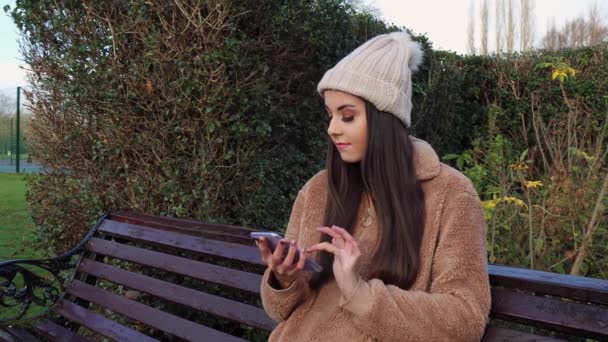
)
(450, 299)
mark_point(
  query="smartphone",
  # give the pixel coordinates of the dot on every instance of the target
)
(273, 240)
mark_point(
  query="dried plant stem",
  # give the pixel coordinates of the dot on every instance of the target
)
(531, 229)
(534, 101)
(582, 253)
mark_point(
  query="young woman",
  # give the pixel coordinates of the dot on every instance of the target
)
(400, 235)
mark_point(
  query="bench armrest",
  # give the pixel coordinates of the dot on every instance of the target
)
(37, 281)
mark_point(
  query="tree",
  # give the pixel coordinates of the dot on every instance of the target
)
(499, 24)
(510, 28)
(597, 29)
(526, 28)
(577, 32)
(7, 106)
(550, 40)
(471, 29)
(365, 7)
(484, 27)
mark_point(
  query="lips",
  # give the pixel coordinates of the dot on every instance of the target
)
(342, 145)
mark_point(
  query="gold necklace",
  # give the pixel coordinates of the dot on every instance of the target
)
(367, 220)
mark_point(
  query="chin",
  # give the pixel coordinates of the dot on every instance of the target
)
(350, 160)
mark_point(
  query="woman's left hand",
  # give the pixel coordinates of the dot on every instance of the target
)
(346, 253)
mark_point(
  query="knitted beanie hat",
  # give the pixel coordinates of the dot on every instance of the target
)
(379, 71)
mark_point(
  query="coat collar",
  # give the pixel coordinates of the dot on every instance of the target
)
(426, 161)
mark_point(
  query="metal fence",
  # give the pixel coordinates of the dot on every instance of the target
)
(14, 123)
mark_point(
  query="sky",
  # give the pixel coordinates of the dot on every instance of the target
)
(443, 21)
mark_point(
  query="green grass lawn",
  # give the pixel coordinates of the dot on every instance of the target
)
(16, 233)
(15, 220)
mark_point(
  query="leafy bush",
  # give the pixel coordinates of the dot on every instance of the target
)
(544, 184)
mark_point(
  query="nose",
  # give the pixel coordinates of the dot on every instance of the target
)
(334, 127)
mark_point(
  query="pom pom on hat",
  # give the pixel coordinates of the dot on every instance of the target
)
(379, 71)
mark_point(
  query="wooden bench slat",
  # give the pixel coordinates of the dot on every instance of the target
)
(501, 334)
(575, 318)
(216, 305)
(199, 270)
(6, 336)
(202, 230)
(22, 335)
(561, 285)
(55, 332)
(164, 321)
(99, 323)
(180, 224)
(197, 244)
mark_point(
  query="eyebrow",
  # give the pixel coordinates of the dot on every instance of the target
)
(342, 107)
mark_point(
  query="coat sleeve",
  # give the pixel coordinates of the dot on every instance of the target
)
(279, 304)
(457, 306)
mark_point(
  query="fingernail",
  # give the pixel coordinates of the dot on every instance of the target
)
(283, 242)
(293, 242)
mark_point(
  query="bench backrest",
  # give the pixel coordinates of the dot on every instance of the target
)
(563, 304)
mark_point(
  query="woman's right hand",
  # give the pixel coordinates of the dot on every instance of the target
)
(282, 266)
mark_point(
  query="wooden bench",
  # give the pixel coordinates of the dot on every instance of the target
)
(144, 278)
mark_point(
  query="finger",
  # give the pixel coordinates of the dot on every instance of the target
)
(277, 256)
(264, 250)
(352, 248)
(287, 263)
(302, 261)
(300, 265)
(343, 233)
(340, 243)
(323, 246)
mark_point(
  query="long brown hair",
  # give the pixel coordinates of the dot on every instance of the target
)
(387, 174)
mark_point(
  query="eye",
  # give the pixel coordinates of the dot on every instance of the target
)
(347, 118)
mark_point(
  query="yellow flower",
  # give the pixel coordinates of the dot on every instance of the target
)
(490, 204)
(533, 184)
(519, 167)
(586, 156)
(515, 200)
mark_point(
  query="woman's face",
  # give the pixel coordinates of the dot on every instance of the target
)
(347, 124)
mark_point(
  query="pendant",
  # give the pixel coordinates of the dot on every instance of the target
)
(368, 218)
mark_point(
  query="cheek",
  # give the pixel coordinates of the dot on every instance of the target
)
(362, 137)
